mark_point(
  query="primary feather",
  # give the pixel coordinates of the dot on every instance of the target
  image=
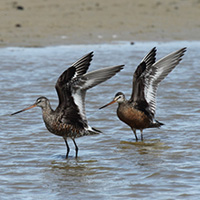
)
(156, 73)
(138, 76)
(72, 85)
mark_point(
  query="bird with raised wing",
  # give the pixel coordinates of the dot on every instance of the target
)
(139, 111)
(69, 120)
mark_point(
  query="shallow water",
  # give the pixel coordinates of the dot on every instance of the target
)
(110, 165)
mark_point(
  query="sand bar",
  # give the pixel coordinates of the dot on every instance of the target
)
(61, 22)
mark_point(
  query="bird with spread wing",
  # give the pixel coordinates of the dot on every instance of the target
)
(69, 120)
(139, 111)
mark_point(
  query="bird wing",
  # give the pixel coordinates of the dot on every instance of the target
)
(90, 80)
(156, 73)
(67, 109)
(83, 64)
(71, 88)
(138, 76)
(77, 69)
(98, 76)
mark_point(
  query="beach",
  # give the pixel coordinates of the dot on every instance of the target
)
(47, 22)
(41, 39)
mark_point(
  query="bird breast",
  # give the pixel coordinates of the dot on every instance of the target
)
(134, 118)
(62, 129)
(55, 125)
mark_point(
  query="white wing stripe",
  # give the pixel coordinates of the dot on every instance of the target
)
(80, 103)
(157, 73)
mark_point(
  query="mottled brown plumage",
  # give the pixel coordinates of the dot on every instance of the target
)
(69, 120)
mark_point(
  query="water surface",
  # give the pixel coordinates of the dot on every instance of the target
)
(110, 165)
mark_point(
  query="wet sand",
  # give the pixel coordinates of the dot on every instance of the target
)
(49, 22)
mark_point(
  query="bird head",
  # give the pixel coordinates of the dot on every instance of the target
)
(119, 98)
(40, 102)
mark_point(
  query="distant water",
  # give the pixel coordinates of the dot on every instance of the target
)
(111, 165)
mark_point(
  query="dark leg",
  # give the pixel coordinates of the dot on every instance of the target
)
(134, 131)
(141, 134)
(68, 149)
(75, 147)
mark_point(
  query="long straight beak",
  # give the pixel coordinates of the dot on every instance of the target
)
(34, 105)
(108, 104)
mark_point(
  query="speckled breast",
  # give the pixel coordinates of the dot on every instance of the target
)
(64, 130)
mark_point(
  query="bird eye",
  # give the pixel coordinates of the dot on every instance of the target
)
(119, 97)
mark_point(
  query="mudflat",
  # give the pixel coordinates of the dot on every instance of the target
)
(49, 22)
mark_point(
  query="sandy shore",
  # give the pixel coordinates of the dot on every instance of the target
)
(60, 22)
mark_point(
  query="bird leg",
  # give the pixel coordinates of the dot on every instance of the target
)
(141, 134)
(68, 149)
(134, 131)
(76, 147)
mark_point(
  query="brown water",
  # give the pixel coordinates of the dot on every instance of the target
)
(111, 165)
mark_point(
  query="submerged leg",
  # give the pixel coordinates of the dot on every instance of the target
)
(76, 147)
(141, 134)
(68, 149)
(134, 131)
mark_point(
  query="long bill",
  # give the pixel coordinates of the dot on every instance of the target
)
(108, 104)
(34, 105)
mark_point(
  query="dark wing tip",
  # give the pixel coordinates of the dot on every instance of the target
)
(183, 50)
(119, 68)
(140, 69)
(83, 64)
(66, 76)
(91, 53)
(180, 53)
(153, 51)
(150, 58)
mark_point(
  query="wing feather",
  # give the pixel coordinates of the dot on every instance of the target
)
(83, 64)
(98, 76)
(157, 72)
(77, 69)
(138, 76)
(64, 78)
(71, 87)
(90, 80)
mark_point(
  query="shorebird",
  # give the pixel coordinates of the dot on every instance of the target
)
(69, 120)
(138, 112)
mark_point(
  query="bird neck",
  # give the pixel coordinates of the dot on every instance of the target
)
(122, 103)
(49, 116)
(47, 110)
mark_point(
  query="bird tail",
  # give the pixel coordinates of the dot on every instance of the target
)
(156, 124)
(91, 131)
(95, 131)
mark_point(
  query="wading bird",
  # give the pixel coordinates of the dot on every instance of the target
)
(69, 120)
(138, 112)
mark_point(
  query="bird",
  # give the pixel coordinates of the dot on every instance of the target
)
(139, 111)
(69, 119)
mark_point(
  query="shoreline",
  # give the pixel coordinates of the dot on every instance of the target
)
(116, 42)
(49, 23)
